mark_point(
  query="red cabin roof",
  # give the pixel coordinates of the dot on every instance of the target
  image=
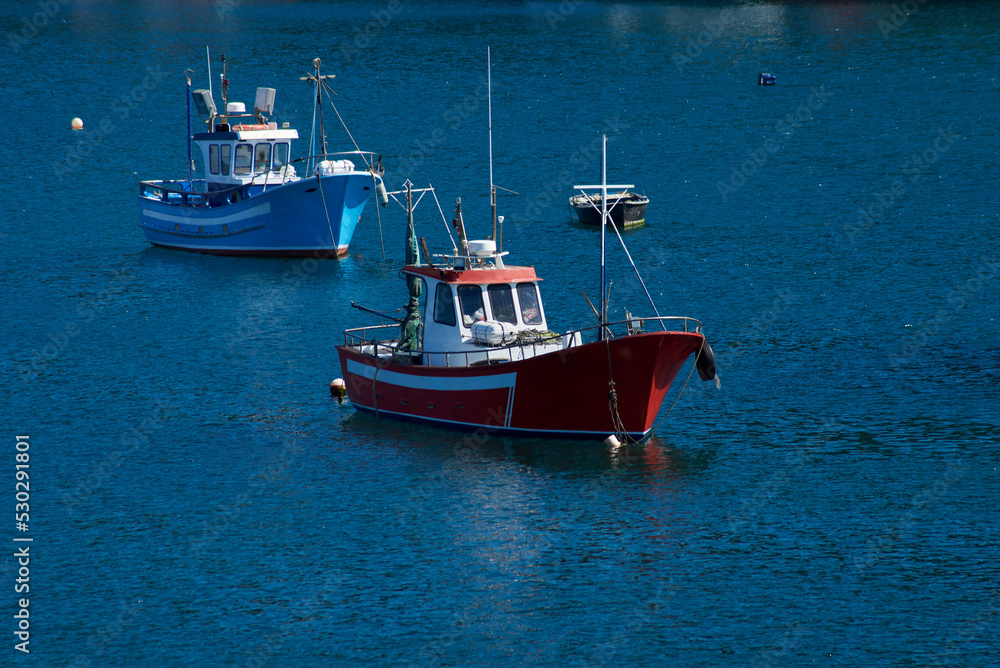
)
(480, 276)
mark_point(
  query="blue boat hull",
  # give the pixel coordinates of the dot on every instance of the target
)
(312, 217)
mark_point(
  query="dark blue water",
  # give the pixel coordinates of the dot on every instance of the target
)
(197, 498)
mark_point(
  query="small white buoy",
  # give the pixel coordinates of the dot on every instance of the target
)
(77, 123)
(383, 196)
(338, 388)
(612, 441)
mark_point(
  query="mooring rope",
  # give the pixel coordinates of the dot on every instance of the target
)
(371, 168)
(329, 226)
(620, 432)
(616, 420)
(683, 387)
(375, 380)
(326, 89)
(378, 213)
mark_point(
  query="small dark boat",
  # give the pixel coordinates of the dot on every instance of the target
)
(627, 209)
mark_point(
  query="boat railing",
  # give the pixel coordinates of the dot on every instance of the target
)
(372, 160)
(359, 336)
(637, 324)
(172, 195)
(178, 196)
(383, 341)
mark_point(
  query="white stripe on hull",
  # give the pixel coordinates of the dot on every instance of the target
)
(259, 210)
(454, 383)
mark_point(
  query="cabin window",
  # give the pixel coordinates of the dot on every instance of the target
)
(502, 303)
(244, 159)
(227, 152)
(527, 294)
(213, 158)
(471, 299)
(262, 157)
(280, 155)
(444, 305)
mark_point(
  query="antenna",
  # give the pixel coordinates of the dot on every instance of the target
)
(187, 76)
(208, 57)
(489, 104)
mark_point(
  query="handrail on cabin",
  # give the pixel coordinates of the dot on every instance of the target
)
(357, 338)
(371, 160)
(165, 191)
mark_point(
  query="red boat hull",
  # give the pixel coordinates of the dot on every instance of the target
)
(564, 394)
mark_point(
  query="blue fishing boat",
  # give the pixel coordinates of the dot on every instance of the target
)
(253, 201)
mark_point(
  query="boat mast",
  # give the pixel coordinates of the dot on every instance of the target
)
(603, 187)
(225, 88)
(319, 107)
(317, 80)
(604, 220)
(208, 57)
(187, 75)
(459, 224)
(410, 232)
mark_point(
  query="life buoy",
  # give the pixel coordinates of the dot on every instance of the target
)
(706, 361)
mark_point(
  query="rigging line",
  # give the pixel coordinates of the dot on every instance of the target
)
(371, 170)
(637, 275)
(319, 108)
(374, 395)
(379, 213)
(356, 147)
(454, 248)
(422, 192)
(616, 420)
(312, 142)
(683, 387)
(329, 226)
(379, 365)
(594, 206)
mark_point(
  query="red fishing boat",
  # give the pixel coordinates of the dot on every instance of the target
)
(475, 352)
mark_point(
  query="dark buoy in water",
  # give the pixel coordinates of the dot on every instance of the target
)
(766, 79)
(706, 364)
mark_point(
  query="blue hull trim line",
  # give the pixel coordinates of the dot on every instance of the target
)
(297, 219)
(499, 431)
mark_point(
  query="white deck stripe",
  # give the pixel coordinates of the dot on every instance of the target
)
(454, 383)
(258, 210)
